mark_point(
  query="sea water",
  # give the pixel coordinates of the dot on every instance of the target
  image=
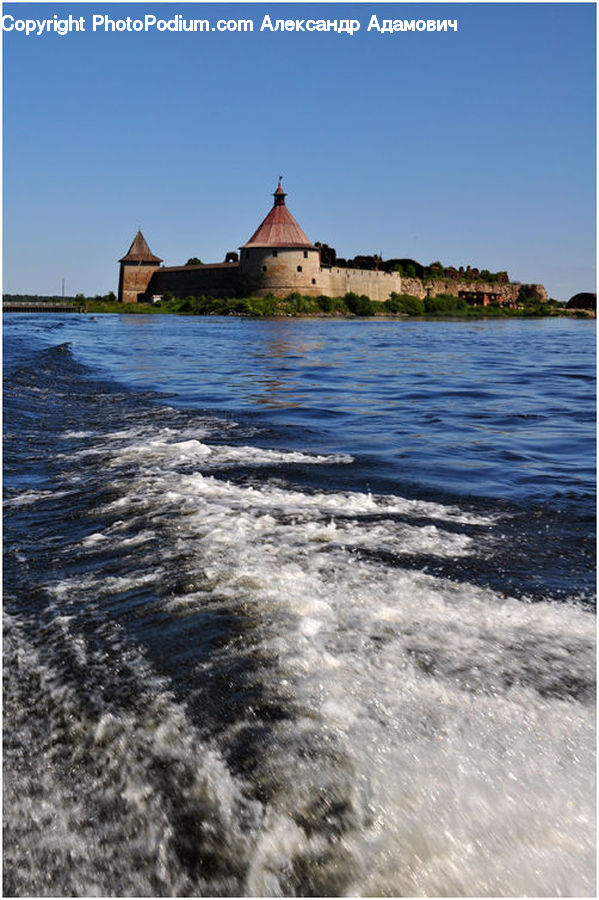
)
(298, 607)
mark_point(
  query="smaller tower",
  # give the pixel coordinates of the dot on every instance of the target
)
(136, 270)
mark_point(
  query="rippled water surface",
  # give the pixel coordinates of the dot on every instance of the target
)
(298, 607)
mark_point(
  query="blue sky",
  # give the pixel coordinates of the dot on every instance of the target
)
(475, 147)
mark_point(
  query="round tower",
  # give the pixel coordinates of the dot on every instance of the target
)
(278, 258)
(136, 270)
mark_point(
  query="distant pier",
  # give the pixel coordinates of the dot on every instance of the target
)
(33, 306)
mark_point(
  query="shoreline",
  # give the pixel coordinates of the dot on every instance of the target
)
(517, 314)
(296, 306)
(402, 317)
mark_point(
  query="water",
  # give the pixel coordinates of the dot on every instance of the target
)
(298, 607)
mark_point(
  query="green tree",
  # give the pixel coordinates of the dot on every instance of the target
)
(444, 303)
(359, 305)
(405, 303)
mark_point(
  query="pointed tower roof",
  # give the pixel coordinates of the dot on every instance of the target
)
(139, 251)
(279, 228)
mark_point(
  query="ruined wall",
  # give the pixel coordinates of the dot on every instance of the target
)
(219, 280)
(433, 287)
(541, 291)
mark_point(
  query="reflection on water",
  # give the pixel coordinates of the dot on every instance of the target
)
(279, 393)
(284, 356)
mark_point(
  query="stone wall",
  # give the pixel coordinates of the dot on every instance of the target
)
(289, 271)
(219, 280)
(281, 278)
(335, 282)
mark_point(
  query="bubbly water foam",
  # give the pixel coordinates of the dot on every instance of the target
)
(431, 738)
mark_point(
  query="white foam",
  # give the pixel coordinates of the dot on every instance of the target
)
(186, 490)
(194, 451)
(93, 585)
(92, 539)
(438, 740)
(441, 693)
(84, 811)
(73, 435)
(27, 497)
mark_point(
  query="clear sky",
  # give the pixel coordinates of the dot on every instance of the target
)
(475, 147)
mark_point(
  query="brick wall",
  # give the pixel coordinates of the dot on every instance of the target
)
(134, 279)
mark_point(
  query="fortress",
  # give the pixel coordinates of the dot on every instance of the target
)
(279, 259)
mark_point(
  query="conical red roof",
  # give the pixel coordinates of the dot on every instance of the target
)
(139, 251)
(279, 228)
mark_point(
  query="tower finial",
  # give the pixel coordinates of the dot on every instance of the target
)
(279, 194)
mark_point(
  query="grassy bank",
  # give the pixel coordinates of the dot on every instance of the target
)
(299, 305)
